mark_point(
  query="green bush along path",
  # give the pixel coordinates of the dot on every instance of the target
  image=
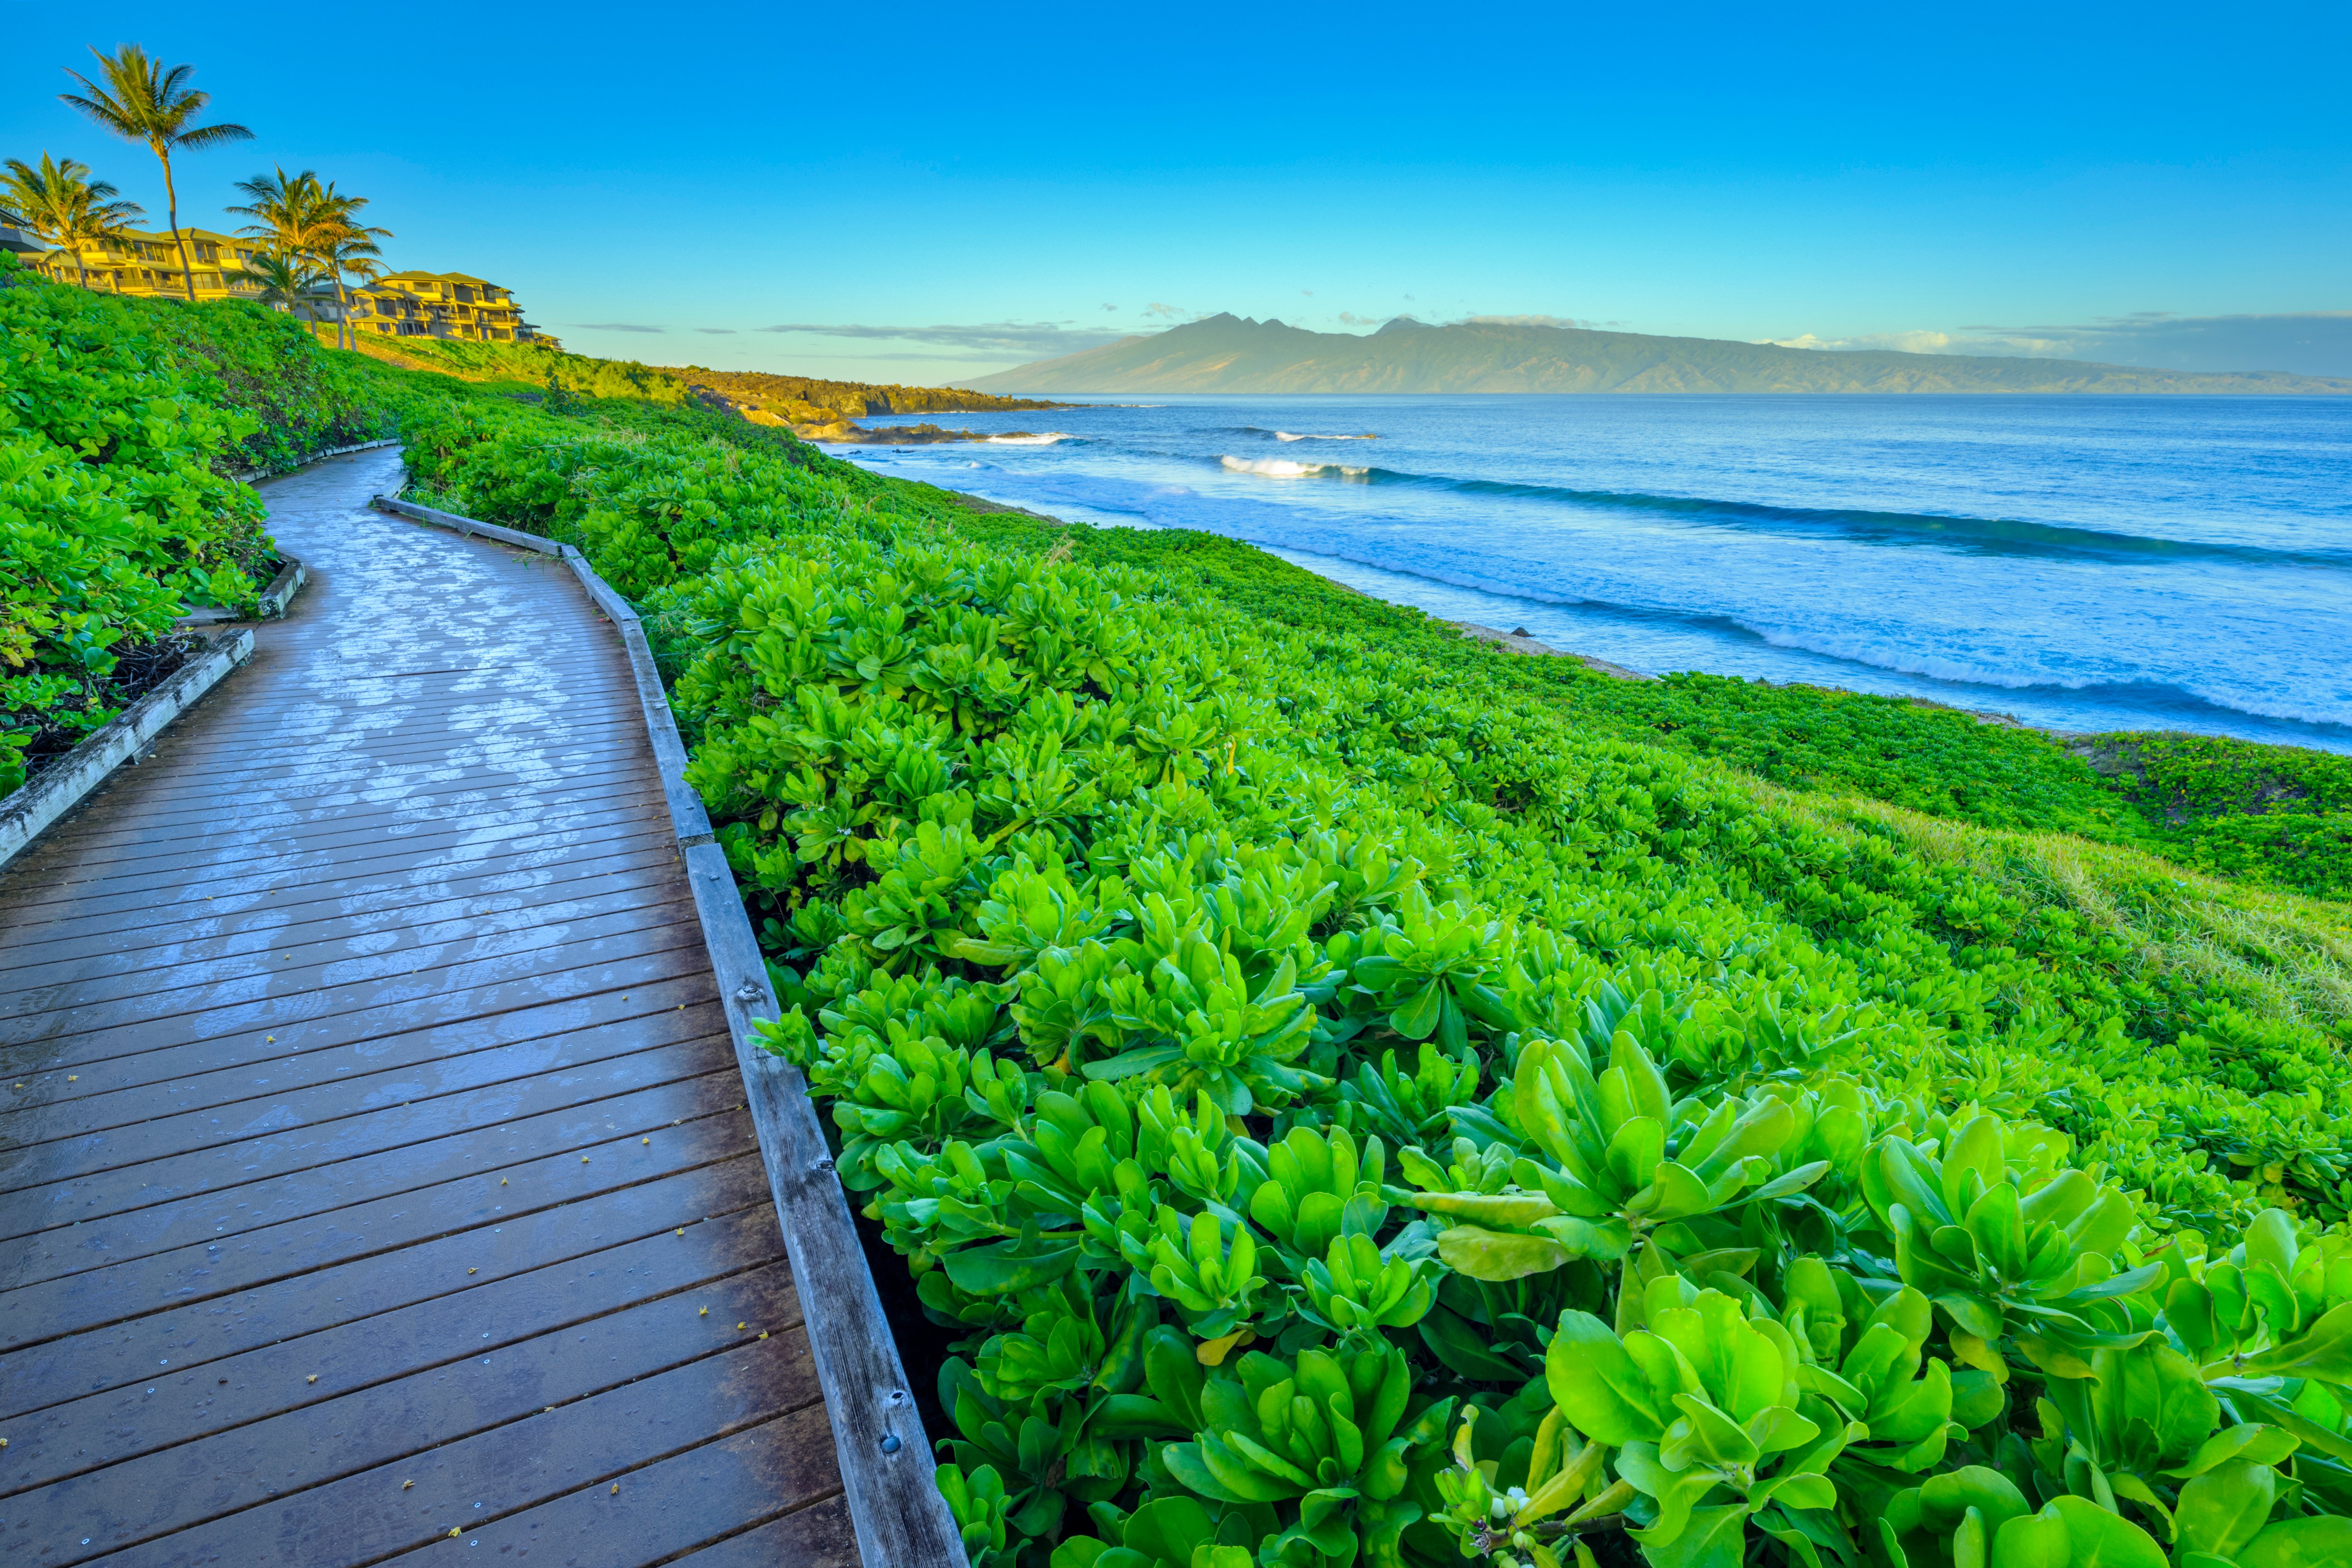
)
(120, 426)
(1352, 1095)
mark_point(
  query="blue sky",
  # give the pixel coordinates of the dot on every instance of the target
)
(923, 194)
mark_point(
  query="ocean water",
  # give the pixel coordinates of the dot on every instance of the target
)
(2080, 562)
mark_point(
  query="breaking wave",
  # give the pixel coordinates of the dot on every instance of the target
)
(1284, 469)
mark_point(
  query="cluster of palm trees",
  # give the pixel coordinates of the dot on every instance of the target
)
(312, 240)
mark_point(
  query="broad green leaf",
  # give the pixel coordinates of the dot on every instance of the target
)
(2253, 1440)
(1705, 1434)
(2323, 1353)
(1945, 1500)
(1207, 1555)
(1677, 1493)
(1494, 1256)
(1597, 1385)
(2100, 1539)
(1167, 1526)
(2226, 1506)
(2322, 1542)
(1674, 1193)
(2033, 1541)
(1711, 1538)
(1004, 1267)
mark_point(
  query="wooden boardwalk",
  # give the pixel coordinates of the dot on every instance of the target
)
(374, 1178)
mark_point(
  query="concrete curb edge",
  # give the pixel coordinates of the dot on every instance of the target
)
(64, 784)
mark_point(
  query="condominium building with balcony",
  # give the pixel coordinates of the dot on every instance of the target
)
(16, 236)
(138, 261)
(442, 305)
(401, 304)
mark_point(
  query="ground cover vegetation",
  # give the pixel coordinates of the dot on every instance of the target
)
(807, 400)
(1350, 1103)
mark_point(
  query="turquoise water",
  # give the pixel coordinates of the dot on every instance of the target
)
(2082, 562)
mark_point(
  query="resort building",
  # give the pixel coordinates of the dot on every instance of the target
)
(138, 261)
(402, 305)
(442, 305)
(15, 237)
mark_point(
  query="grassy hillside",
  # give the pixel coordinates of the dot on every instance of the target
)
(800, 400)
(1352, 1095)
(1227, 353)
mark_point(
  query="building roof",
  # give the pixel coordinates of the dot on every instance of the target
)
(163, 236)
(443, 278)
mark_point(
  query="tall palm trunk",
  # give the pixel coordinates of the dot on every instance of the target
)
(172, 204)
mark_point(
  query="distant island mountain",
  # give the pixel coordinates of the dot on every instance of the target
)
(1234, 353)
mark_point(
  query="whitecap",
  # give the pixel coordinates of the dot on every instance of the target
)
(1286, 435)
(1047, 440)
(1273, 467)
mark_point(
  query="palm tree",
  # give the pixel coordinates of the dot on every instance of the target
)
(147, 101)
(286, 280)
(296, 214)
(63, 205)
(284, 209)
(346, 245)
(356, 255)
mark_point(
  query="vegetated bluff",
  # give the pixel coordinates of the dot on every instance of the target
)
(1233, 353)
(1352, 1109)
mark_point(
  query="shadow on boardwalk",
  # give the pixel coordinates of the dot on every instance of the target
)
(372, 1164)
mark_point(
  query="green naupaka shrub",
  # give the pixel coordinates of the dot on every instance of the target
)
(112, 518)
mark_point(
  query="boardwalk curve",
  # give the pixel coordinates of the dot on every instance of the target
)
(373, 1164)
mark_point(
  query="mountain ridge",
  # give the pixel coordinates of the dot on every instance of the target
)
(1234, 353)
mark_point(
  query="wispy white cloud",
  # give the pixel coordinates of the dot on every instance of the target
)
(1920, 342)
(1028, 340)
(1523, 322)
(2304, 343)
(1168, 312)
(718, 332)
(1350, 318)
(613, 327)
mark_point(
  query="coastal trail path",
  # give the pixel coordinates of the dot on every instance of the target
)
(374, 1174)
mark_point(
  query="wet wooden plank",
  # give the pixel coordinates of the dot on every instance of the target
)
(459, 1388)
(818, 1536)
(700, 1495)
(381, 852)
(155, 1164)
(78, 1275)
(318, 930)
(134, 1351)
(189, 1402)
(227, 828)
(599, 1440)
(371, 1112)
(190, 989)
(347, 1014)
(280, 877)
(191, 1077)
(201, 810)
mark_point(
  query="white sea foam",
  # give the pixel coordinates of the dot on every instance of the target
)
(1286, 435)
(1047, 440)
(1284, 469)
